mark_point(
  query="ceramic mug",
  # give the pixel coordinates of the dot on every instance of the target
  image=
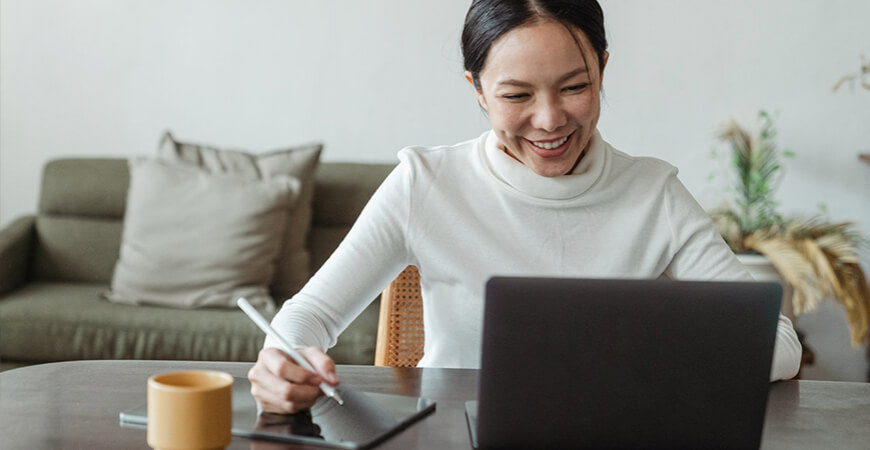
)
(190, 410)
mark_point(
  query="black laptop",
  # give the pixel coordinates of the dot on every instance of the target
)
(578, 363)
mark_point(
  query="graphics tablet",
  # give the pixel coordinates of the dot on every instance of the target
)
(366, 419)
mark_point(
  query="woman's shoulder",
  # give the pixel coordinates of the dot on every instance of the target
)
(641, 165)
(430, 151)
(435, 157)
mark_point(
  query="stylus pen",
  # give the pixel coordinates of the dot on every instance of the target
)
(330, 391)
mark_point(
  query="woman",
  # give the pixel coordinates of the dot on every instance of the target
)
(540, 194)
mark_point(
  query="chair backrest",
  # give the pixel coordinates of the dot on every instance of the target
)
(400, 327)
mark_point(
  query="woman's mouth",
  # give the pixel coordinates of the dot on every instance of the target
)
(551, 148)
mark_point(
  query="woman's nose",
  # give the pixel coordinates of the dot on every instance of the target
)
(549, 115)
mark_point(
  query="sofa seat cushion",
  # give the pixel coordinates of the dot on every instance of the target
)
(65, 321)
(46, 322)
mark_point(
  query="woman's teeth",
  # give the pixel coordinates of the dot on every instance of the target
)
(552, 144)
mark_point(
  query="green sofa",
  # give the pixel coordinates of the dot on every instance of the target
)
(54, 265)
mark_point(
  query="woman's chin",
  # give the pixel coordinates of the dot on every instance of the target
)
(555, 167)
(550, 169)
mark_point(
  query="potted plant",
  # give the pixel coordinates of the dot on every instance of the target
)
(816, 259)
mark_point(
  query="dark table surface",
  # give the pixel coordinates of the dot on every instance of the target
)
(76, 405)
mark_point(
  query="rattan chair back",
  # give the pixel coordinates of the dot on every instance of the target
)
(400, 327)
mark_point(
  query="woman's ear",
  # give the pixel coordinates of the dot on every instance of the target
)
(480, 99)
(470, 79)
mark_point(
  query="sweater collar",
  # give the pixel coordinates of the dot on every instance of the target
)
(520, 178)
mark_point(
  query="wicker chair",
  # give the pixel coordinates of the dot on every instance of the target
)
(400, 327)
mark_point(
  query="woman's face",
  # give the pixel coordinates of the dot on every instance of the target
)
(541, 97)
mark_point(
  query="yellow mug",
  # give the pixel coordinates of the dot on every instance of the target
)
(190, 410)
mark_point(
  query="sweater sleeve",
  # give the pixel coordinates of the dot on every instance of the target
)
(372, 254)
(700, 253)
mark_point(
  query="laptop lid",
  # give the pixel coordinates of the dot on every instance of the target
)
(625, 363)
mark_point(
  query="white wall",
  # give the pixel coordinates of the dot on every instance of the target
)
(107, 77)
(680, 68)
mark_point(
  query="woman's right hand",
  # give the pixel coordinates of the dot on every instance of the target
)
(281, 386)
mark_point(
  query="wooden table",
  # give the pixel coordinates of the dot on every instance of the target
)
(76, 405)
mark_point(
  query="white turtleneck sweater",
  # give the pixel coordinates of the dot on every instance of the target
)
(466, 212)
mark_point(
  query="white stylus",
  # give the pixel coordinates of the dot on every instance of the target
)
(330, 391)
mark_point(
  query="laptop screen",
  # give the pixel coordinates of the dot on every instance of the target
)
(625, 363)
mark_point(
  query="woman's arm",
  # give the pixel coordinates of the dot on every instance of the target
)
(370, 256)
(700, 253)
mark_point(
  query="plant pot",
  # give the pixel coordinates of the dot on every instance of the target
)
(763, 270)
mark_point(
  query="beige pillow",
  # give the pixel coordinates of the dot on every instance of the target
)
(292, 271)
(193, 239)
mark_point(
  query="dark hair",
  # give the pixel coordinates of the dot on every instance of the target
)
(487, 20)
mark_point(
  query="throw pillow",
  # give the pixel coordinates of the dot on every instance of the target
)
(292, 271)
(193, 239)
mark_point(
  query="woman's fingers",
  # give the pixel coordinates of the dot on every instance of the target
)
(281, 386)
(285, 390)
(322, 363)
(278, 363)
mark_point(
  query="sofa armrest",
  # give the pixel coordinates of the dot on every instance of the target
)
(16, 246)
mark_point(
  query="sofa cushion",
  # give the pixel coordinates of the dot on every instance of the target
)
(78, 226)
(76, 248)
(193, 239)
(292, 270)
(63, 321)
(44, 322)
(89, 187)
(341, 193)
(343, 190)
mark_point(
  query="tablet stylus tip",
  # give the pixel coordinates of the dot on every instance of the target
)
(337, 398)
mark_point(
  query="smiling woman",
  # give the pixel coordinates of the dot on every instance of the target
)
(541, 96)
(541, 194)
(536, 82)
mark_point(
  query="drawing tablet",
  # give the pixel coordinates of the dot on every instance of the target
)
(366, 418)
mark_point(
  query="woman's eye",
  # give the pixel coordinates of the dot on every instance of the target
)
(576, 87)
(515, 96)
